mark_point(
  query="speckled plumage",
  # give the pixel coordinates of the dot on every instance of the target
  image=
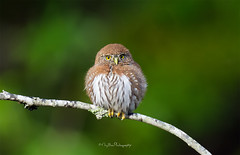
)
(116, 83)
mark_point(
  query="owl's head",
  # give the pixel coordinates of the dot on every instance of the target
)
(114, 54)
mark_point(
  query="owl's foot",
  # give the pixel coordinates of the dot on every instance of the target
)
(110, 113)
(118, 114)
(121, 114)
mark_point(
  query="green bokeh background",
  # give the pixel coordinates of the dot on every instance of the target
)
(189, 51)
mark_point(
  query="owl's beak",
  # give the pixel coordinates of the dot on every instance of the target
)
(116, 60)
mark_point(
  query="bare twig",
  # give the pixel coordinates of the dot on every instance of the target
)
(33, 102)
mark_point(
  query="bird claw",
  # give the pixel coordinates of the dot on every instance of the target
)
(118, 114)
(110, 113)
(122, 115)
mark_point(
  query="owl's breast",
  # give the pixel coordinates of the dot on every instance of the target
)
(112, 91)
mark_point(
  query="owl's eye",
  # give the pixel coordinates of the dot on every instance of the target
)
(122, 56)
(108, 57)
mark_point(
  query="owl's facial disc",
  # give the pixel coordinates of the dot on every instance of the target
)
(114, 54)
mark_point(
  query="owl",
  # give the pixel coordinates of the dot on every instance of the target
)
(116, 81)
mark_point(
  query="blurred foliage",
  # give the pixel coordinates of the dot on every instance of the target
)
(189, 51)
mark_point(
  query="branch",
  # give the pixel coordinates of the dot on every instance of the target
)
(33, 102)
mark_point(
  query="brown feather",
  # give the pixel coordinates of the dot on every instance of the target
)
(110, 73)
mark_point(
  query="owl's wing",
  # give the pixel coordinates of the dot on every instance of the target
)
(138, 81)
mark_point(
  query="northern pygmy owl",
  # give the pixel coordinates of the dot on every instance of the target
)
(116, 81)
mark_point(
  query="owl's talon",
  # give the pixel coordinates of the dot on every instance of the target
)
(123, 116)
(112, 112)
(118, 114)
(109, 113)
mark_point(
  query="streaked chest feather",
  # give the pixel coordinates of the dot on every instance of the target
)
(111, 90)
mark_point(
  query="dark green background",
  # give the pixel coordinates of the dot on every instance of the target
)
(189, 51)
